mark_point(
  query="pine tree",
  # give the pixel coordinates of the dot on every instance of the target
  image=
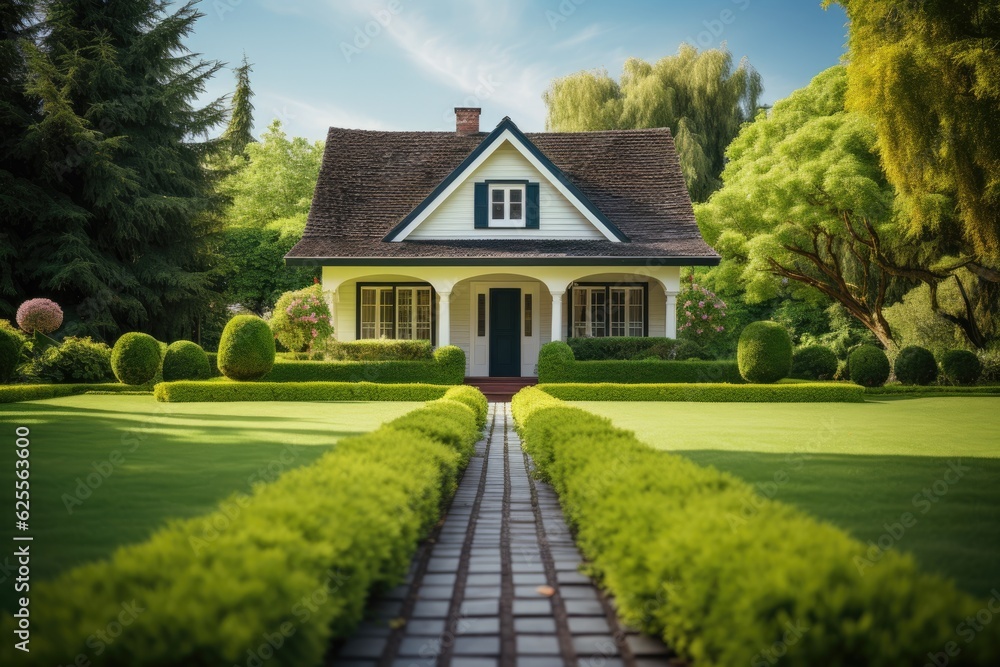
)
(125, 144)
(239, 132)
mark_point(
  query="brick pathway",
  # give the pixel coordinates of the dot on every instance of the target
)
(472, 597)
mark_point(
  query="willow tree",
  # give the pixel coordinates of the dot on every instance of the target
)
(704, 98)
(928, 74)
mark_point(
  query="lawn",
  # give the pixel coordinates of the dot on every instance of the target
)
(109, 470)
(859, 466)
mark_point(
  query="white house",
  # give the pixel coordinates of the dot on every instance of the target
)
(501, 242)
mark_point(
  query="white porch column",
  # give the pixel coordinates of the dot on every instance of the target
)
(671, 314)
(557, 315)
(444, 319)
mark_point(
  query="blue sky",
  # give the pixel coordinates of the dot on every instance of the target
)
(405, 64)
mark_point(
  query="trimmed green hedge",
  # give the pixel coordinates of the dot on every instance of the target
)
(707, 562)
(185, 360)
(136, 358)
(764, 352)
(961, 367)
(230, 391)
(246, 349)
(296, 560)
(800, 392)
(15, 393)
(381, 350)
(10, 354)
(623, 348)
(933, 390)
(813, 362)
(556, 364)
(447, 368)
(868, 366)
(915, 365)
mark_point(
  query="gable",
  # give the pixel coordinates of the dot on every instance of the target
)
(507, 135)
(453, 218)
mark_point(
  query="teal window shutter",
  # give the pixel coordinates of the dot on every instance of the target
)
(533, 209)
(482, 206)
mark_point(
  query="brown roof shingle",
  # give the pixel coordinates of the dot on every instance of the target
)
(370, 181)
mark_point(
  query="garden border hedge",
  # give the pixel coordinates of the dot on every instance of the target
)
(707, 562)
(15, 393)
(800, 392)
(933, 390)
(557, 364)
(194, 391)
(446, 368)
(270, 564)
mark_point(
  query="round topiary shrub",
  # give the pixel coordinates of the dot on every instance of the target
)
(10, 354)
(246, 349)
(185, 360)
(135, 358)
(868, 366)
(961, 367)
(814, 362)
(39, 316)
(764, 352)
(915, 365)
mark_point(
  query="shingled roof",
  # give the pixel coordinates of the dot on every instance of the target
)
(371, 181)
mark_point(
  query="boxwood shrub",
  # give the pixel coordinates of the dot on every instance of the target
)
(814, 362)
(185, 360)
(135, 358)
(707, 562)
(10, 354)
(447, 367)
(297, 558)
(16, 393)
(556, 363)
(246, 349)
(961, 367)
(231, 391)
(915, 365)
(619, 348)
(868, 366)
(764, 352)
(805, 392)
(381, 350)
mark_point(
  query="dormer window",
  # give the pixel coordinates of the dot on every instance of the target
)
(507, 205)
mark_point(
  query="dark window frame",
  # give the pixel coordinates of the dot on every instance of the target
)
(569, 304)
(395, 305)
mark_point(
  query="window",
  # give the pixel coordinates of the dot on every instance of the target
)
(609, 310)
(506, 205)
(395, 311)
(481, 315)
(527, 315)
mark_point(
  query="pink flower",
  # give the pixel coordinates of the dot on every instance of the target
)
(720, 329)
(687, 304)
(699, 331)
(704, 317)
(701, 304)
(42, 315)
(315, 333)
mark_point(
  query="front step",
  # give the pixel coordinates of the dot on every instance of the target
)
(500, 390)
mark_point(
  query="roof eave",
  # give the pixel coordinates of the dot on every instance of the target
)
(706, 260)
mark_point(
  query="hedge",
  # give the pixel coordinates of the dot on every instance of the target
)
(231, 391)
(961, 367)
(185, 360)
(814, 362)
(801, 392)
(556, 363)
(764, 352)
(447, 368)
(868, 366)
(15, 393)
(295, 560)
(933, 390)
(246, 349)
(10, 354)
(915, 365)
(622, 348)
(136, 358)
(720, 572)
(381, 350)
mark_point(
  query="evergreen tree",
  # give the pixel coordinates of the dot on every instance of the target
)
(701, 97)
(125, 144)
(239, 132)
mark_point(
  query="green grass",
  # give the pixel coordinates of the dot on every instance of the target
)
(173, 461)
(859, 466)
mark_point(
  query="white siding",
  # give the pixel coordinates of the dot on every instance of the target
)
(460, 321)
(454, 218)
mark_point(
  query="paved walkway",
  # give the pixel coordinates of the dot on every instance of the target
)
(498, 584)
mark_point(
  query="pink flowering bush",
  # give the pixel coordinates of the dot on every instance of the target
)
(39, 315)
(301, 320)
(701, 315)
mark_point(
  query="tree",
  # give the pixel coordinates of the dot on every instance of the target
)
(928, 75)
(803, 203)
(118, 141)
(701, 97)
(239, 132)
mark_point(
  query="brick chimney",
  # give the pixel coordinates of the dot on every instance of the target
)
(467, 120)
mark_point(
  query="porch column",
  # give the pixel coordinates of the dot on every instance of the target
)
(444, 319)
(671, 314)
(557, 315)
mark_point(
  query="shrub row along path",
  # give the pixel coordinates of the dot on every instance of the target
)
(476, 592)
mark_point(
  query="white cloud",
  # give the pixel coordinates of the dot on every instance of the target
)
(304, 119)
(585, 35)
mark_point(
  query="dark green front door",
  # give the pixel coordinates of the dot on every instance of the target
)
(505, 333)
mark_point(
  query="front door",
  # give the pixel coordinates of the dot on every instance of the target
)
(505, 332)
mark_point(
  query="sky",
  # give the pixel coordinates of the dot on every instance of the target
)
(405, 64)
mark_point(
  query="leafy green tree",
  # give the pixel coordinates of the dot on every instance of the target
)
(701, 97)
(239, 131)
(253, 271)
(803, 199)
(117, 140)
(928, 75)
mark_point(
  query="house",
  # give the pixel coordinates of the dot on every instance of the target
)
(500, 242)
